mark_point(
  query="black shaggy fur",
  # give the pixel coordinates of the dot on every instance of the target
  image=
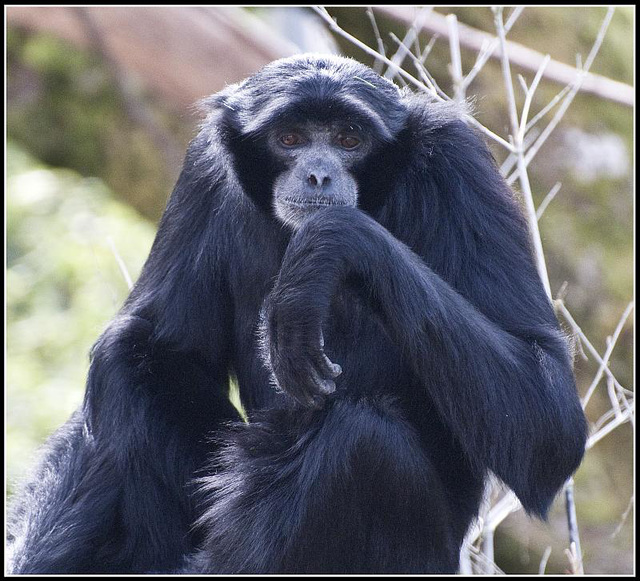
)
(427, 296)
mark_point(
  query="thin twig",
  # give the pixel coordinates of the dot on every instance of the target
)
(572, 557)
(602, 423)
(572, 93)
(377, 65)
(608, 428)
(512, 158)
(501, 509)
(550, 105)
(456, 59)
(543, 562)
(607, 354)
(473, 121)
(614, 396)
(121, 265)
(487, 545)
(427, 79)
(518, 137)
(602, 420)
(427, 49)
(547, 200)
(529, 92)
(508, 504)
(490, 48)
(574, 536)
(333, 25)
(506, 71)
(623, 519)
(561, 308)
(412, 33)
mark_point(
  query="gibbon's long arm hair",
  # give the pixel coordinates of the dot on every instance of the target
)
(349, 252)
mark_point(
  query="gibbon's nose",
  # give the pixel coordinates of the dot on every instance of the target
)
(319, 179)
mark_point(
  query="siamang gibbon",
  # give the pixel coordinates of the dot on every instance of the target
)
(348, 254)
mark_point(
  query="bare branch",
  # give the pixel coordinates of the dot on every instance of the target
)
(518, 137)
(473, 121)
(547, 107)
(605, 360)
(612, 425)
(506, 70)
(574, 537)
(512, 158)
(489, 46)
(547, 200)
(410, 37)
(522, 56)
(623, 519)
(572, 93)
(529, 92)
(427, 50)
(488, 550)
(426, 77)
(377, 65)
(456, 60)
(523, 84)
(121, 265)
(614, 396)
(561, 308)
(543, 562)
(333, 25)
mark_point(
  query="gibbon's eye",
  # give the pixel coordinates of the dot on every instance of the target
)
(291, 139)
(348, 141)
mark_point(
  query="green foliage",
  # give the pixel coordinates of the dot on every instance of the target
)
(63, 286)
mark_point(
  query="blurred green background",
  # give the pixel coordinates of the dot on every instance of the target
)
(94, 139)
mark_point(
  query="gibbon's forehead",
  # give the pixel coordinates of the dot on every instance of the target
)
(321, 89)
(348, 110)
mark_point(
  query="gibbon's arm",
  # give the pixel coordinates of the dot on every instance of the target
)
(111, 491)
(508, 396)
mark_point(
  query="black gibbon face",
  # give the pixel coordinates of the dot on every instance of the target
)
(310, 132)
(318, 161)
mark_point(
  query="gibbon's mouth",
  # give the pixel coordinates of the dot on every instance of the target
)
(310, 203)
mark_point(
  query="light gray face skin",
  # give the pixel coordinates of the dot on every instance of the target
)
(319, 161)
